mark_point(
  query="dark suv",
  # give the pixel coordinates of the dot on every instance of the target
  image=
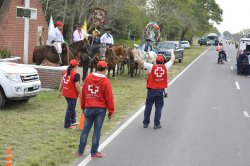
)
(203, 41)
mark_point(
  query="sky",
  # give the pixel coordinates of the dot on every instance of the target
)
(236, 15)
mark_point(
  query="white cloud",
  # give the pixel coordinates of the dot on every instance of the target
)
(236, 15)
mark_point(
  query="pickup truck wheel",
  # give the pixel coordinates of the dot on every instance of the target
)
(2, 98)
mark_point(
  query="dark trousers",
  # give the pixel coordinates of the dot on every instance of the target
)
(70, 116)
(154, 96)
(222, 56)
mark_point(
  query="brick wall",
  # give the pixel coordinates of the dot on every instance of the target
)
(12, 28)
(50, 76)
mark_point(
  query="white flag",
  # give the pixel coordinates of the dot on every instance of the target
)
(51, 31)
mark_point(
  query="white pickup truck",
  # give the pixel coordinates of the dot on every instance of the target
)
(18, 82)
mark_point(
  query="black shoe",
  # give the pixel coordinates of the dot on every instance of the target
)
(157, 127)
(145, 125)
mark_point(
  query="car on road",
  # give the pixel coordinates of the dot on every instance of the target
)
(18, 82)
(165, 47)
(185, 44)
(203, 41)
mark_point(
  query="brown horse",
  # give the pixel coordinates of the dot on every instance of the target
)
(112, 59)
(46, 52)
(72, 51)
(122, 52)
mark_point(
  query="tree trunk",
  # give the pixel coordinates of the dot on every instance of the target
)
(183, 33)
(65, 9)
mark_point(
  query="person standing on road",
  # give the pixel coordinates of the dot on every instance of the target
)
(240, 60)
(71, 90)
(96, 98)
(156, 84)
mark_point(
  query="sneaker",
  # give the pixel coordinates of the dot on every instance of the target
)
(71, 127)
(77, 154)
(157, 127)
(145, 125)
(74, 124)
(98, 155)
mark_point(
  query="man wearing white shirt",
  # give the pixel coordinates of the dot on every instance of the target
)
(107, 38)
(59, 40)
(79, 34)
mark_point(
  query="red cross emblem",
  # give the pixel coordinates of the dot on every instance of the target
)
(159, 72)
(66, 78)
(93, 89)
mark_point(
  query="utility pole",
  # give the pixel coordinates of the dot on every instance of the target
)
(26, 35)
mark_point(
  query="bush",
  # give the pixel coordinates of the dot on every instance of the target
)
(4, 53)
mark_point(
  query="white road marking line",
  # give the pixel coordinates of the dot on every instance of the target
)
(246, 114)
(228, 60)
(232, 68)
(237, 85)
(119, 130)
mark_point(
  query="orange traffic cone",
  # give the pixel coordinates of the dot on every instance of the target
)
(81, 125)
(8, 158)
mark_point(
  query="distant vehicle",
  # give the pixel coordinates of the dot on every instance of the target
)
(244, 43)
(165, 47)
(203, 41)
(185, 44)
(18, 82)
(213, 39)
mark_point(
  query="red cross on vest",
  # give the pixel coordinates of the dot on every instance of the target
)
(66, 78)
(93, 89)
(159, 72)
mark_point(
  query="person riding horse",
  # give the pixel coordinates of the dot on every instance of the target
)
(147, 46)
(57, 42)
(95, 38)
(107, 38)
(79, 33)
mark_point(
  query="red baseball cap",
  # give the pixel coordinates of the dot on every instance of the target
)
(160, 58)
(59, 23)
(74, 62)
(102, 64)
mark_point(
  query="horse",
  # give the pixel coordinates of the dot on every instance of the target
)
(78, 50)
(149, 57)
(97, 54)
(81, 50)
(46, 52)
(112, 60)
(122, 52)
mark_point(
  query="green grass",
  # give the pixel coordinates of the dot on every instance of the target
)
(34, 130)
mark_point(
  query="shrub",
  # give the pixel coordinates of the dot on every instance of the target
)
(4, 53)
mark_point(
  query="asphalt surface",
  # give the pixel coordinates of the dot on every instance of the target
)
(205, 122)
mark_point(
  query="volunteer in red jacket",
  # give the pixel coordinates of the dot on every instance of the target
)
(156, 83)
(70, 89)
(96, 98)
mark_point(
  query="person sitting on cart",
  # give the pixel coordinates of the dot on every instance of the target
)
(147, 46)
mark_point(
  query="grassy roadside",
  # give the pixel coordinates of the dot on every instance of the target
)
(34, 130)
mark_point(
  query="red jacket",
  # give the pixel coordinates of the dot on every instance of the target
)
(157, 78)
(97, 93)
(69, 89)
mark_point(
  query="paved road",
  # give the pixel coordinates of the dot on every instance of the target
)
(205, 122)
